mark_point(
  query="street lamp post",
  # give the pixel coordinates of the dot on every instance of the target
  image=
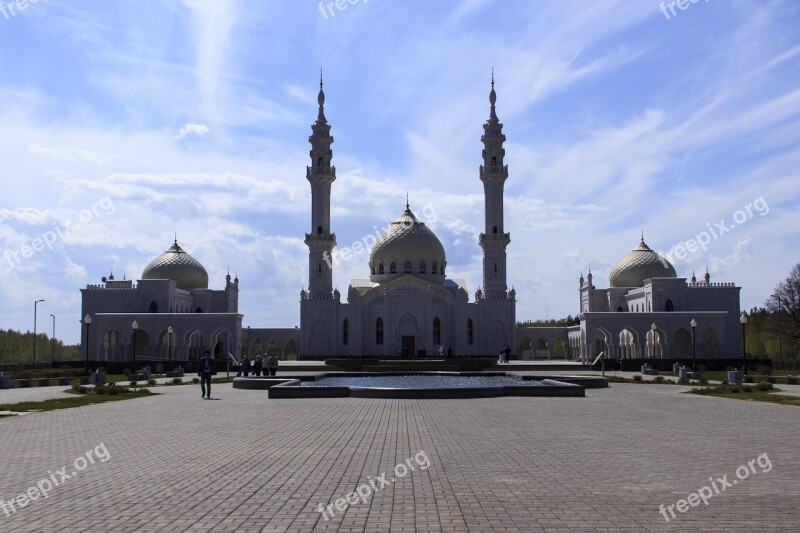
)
(170, 331)
(653, 328)
(780, 334)
(35, 309)
(135, 328)
(88, 321)
(743, 320)
(53, 354)
(693, 323)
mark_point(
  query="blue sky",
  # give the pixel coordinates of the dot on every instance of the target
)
(123, 122)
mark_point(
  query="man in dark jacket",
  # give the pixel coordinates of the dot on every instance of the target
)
(206, 369)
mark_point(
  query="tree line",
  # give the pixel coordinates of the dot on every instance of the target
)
(16, 346)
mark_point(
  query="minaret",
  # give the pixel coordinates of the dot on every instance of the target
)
(321, 175)
(493, 175)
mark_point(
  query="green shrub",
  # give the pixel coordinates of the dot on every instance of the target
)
(659, 379)
(195, 380)
(80, 389)
(177, 381)
(100, 389)
(151, 382)
(113, 391)
(764, 386)
(683, 381)
(133, 384)
(747, 388)
(637, 377)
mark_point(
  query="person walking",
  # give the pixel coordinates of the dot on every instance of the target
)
(246, 366)
(258, 365)
(206, 369)
(272, 365)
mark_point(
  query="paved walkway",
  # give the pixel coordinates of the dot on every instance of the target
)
(246, 463)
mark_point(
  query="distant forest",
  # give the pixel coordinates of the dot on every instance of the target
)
(552, 323)
(16, 346)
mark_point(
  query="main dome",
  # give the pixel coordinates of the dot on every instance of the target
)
(177, 265)
(407, 242)
(640, 264)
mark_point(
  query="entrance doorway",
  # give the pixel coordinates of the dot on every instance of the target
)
(408, 345)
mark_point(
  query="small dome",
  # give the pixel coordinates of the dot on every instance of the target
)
(407, 240)
(177, 265)
(640, 264)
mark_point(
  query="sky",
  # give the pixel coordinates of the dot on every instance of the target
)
(124, 123)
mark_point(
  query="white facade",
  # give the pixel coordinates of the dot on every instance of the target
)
(173, 293)
(408, 305)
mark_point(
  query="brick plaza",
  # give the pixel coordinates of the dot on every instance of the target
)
(242, 462)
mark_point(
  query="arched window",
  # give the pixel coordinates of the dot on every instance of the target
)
(380, 268)
(494, 160)
(319, 230)
(495, 269)
(379, 331)
(198, 310)
(469, 331)
(319, 162)
(669, 307)
(407, 267)
(619, 309)
(437, 331)
(346, 332)
(422, 267)
(494, 230)
(319, 268)
(393, 268)
(433, 267)
(153, 307)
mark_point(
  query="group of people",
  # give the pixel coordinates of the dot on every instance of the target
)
(262, 364)
(206, 369)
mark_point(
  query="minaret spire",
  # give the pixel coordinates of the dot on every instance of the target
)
(492, 100)
(321, 99)
(493, 174)
(321, 174)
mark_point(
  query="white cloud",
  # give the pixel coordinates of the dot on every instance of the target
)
(191, 128)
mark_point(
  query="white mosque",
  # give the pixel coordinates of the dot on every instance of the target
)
(409, 305)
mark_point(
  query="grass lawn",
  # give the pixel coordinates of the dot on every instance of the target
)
(722, 375)
(78, 400)
(747, 392)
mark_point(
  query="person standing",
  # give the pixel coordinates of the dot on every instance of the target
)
(246, 366)
(258, 365)
(272, 365)
(206, 369)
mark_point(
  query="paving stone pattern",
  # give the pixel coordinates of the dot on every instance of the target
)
(242, 462)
